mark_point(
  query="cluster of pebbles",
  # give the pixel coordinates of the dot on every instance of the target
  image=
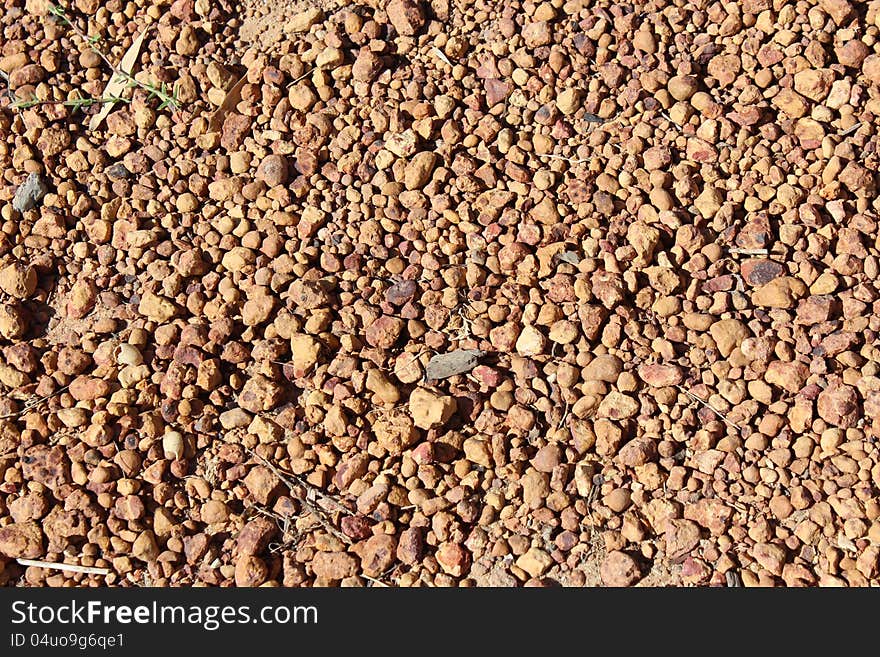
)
(441, 293)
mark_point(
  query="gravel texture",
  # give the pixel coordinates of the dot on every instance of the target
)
(440, 293)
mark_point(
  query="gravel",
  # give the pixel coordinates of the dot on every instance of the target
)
(442, 294)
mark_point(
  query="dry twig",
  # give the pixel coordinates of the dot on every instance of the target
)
(71, 568)
(292, 481)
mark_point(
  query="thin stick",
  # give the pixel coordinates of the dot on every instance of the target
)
(72, 568)
(669, 118)
(304, 76)
(33, 404)
(710, 407)
(375, 581)
(748, 251)
(314, 509)
(561, 157)
(850, 130)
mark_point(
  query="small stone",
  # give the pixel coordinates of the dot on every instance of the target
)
(305, 353)
(407, 16)
(396, 432)
(334, 566)
(453, 558)
(638, 452)
(418, 171)
(262, 484)
(852, 53)
(367, 66)
(410, 546)
(618, 406)
(660, 376)
(569, 101)
(603, 368)
(250, 571)
(770, 557)
(682, 87)
(682, 536)
(156, 309)
(838, 405)
(839, 10)
(815, 309)
(564, 332)
(496, 91)
(536, 488)
(260, 394)
(644, 240)
(273, 170)
(21, 540)
(384, 389)
(708, 203)
(710, 513)
(788, 376)
(257, 309)
(478, 451)
(725, 68)
(234, 130)
(760, 271)
(330, 58)
(29, 193)
(145, 547)
(304, 20)
(377, 554)
(82, 299)
(857, 178)
(871, 69)
(29, 74)
(18, 280)
(791, 102)
(13, 322)
(384, 332)
(645, 41)
(814, 83)
(531, 342)
(88, 388)
(781, 292)
(429, 409)
(547, 458)
(618, 500)
(619, 570)
(729, 334)
(535, 562)
(537, 34)
(46, 465)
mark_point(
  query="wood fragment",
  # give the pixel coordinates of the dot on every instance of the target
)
(736, 251)
(563, 158)
(33, 404)
(291, 481)
(710, 407)
(71, 568)
(375, 581)
(442, 366)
